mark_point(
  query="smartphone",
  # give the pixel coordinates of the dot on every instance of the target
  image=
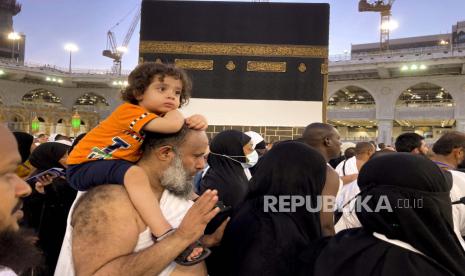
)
(225, 212)
(53, 172)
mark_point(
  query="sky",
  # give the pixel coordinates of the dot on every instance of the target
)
(50, 24)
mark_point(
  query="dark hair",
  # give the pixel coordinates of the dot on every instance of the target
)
(143, 75)
(349, 153)
(62, 137)
(448, 142)
(407, 142)
(155, 140)
(381, 145)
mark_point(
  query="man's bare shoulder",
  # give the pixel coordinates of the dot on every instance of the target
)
(105, 226)
(332, 173)
(101, 205)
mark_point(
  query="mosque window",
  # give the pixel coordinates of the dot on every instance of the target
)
(91, 99)
(41, 96)
(351, 96)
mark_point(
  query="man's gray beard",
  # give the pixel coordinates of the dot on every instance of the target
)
(176, 179)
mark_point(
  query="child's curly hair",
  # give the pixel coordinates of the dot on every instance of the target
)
(142, 76)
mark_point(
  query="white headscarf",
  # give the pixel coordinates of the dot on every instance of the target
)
(256, 138)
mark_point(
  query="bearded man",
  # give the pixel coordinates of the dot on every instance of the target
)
(106, 235)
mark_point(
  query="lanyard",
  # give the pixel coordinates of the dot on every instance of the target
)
(440, 164)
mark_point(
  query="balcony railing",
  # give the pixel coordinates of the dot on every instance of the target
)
(351, 106)
(404, 54)
(422, 111)
(40, 67)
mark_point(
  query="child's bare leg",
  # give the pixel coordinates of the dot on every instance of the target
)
(137, 184)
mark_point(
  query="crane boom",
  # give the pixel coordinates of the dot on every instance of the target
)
(132, 27)
(112, 50)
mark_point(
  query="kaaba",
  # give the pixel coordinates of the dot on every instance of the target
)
(241, 50)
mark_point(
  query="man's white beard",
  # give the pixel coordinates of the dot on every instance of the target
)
(176, 179)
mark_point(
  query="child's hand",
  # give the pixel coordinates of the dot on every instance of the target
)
(197, 122)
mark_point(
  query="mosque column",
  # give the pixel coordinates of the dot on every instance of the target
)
(460, 125)
(385, 131)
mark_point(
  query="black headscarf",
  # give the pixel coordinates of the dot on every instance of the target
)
(269, 243)
(24, 141)
(47, 155)
(76, 141)
(226, 175)
(406, 177)
(47, 213)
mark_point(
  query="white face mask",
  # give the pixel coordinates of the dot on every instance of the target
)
(252, 159)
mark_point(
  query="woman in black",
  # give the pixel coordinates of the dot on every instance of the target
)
(270, 243)
(227, 162)
(420, 218)
(46, 209)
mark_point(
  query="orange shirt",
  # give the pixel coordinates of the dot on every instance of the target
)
(119, 136)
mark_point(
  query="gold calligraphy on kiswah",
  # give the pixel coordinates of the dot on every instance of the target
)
(232, 49)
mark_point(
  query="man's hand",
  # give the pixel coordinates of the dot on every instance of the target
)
(197, 122)
(215, 238)
(196, 219)
(43, 181)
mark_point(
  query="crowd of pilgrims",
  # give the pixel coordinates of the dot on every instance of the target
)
(407, 240)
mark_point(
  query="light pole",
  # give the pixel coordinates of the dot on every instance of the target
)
(71, 47)
(13, 36)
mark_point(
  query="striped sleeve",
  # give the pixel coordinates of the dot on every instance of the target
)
(134, 117)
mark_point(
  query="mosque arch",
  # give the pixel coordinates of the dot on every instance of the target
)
(425, 94)
(351, 96)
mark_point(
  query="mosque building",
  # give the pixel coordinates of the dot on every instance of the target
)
(417, 85)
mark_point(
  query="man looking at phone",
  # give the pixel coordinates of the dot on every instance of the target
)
(17, 253)
(108, 237)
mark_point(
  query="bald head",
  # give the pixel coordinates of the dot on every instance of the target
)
(315, 133)
(323, 137)
(364, 148)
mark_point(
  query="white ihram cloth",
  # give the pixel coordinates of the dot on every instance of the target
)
(351, 189)
(348, 192)
(458, 210)
(173, 208)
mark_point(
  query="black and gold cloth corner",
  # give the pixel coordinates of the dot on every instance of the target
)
(241, 50)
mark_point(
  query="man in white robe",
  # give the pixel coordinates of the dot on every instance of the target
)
(348, 172)
(106, 235)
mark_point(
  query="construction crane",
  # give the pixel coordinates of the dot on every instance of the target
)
(385, 10)
(116, 52)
